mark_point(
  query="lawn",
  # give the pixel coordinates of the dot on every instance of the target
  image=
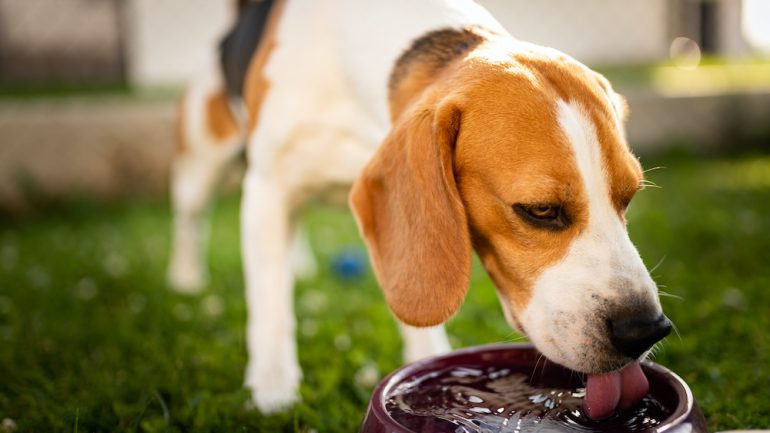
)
(92, 340)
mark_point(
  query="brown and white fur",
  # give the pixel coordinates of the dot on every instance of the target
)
(461, 143)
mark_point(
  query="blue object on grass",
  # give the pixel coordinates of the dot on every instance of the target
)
(349, 264)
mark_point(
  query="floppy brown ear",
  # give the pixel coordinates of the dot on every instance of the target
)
(412, 219)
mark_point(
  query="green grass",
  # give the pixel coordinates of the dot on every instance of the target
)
(19, 92)
(91, 339)
(91, 91)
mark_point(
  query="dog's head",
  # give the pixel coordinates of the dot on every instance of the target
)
(521, 156)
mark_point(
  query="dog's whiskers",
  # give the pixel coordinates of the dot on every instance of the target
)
(660, 262)
(542, 369)
(676, 331)
(654, 168)
(669, 295)
(534, 370)
(646, 183)
(649, 184)
(654, 351)
(513, 338)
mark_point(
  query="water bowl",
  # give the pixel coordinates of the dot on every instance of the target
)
(512, 388)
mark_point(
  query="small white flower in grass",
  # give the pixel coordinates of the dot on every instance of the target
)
(136, 303)
(734, 298)
(120, 377)
(308, 327)
(749, 221)
(715, 373)
(362, 327)
(115, 265)
(182, 312)
(38, 277)
(313, 301)
(342, 342)
(60, 239)
(8, 257)
(7, 425)
(368, 375)
(213, 305)
(154, 248)
(5, 305)
(86, 289)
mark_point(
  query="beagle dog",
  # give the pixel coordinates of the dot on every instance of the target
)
(454, 137)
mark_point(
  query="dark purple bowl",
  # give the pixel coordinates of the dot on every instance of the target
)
(665, 386)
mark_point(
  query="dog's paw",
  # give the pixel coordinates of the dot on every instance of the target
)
(274, 390)
(186, 279)
(273, 401)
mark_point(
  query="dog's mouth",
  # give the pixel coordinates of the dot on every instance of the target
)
(607, 392)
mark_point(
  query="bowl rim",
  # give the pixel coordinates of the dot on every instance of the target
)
(377, 402)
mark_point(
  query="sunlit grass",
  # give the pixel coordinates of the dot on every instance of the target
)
(712, 75)
(711, 79)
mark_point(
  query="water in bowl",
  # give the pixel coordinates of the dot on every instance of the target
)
(494, 399)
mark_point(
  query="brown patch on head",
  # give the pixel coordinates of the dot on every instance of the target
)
(219, 117)
(418, 65)
(256, 85)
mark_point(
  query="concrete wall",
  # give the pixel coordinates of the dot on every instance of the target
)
(168, 41)
(592, 31)
(703, 122)
(100, 148)
(55, 41)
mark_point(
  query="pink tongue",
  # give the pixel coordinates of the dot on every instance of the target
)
(605, 392)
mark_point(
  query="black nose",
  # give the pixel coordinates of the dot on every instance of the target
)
(633, 336)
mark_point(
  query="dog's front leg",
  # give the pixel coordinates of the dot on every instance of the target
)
(272, 373)
(422, 343)
(193, 179)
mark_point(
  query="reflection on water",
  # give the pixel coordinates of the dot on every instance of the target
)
(469, 400)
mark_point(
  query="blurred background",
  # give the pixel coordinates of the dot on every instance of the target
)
(88, 86)
(91, 339)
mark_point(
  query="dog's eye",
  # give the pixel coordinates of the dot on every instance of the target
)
(544, 212)
(542, 215)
